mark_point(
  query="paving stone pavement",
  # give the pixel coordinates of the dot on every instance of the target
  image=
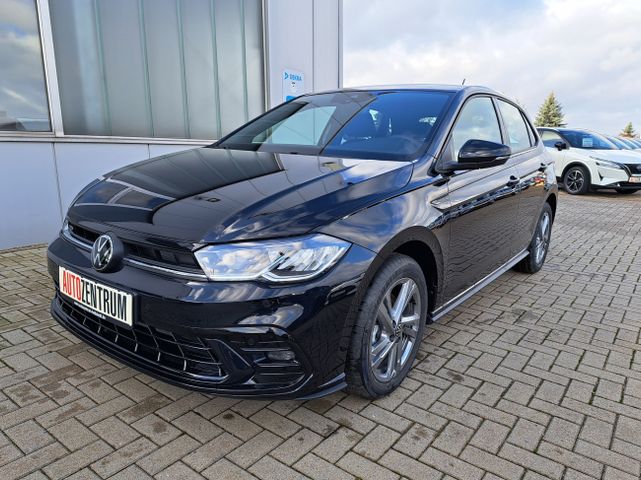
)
(534, 377)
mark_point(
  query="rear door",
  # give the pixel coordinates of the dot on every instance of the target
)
(530, 163)
(482, 204)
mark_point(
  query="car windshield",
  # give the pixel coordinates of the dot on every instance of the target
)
(357, 124)
(588, 140)
(621, 145)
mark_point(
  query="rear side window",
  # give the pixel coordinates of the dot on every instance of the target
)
(477, 121)
(518, 138)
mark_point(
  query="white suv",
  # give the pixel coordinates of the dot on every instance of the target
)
(586, 160)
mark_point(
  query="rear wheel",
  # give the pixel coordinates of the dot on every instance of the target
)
(576, 180)
(389, 328)
(625, 191)
(538, 249)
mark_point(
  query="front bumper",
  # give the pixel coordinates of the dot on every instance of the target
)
(608, 177)
(220, 337)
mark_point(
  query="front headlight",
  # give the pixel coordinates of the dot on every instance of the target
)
(286, 260)
(605, 163)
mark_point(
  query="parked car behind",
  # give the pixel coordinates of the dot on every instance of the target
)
(306, 251)
(630, 142)
(587, 160)
(620, 143)
(624, 144)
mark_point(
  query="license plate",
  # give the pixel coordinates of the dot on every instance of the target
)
(101, 300)
(636, 179)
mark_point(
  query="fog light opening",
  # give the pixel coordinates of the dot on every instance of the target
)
(281, 356)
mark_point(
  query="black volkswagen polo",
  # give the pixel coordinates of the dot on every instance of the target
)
(306, 251)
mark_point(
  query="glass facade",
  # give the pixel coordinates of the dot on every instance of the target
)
(158, 68)
(23, 97)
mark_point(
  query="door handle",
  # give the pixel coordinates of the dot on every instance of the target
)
(513, 182)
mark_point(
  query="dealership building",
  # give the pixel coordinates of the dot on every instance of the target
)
(87, 86)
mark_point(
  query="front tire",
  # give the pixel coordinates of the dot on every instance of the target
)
(388, 329)
(625, 191)
(576, 180)
(538, 249)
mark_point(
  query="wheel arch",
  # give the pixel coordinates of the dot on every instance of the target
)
(552, 201)
(420, 244)
(577, 163)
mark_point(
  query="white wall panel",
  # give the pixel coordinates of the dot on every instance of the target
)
(289, 42)
(326, 44)
(303, 35)
(29, 206)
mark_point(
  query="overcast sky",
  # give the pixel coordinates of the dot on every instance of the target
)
(587, 51)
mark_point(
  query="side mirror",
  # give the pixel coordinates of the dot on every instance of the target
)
(481, 154)
(561, 146)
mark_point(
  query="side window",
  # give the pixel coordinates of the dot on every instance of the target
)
(477, 121)
(517, 131)
(550, 138)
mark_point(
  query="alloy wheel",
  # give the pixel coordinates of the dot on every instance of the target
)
(542, 239)
(395, 329)
(574, 180)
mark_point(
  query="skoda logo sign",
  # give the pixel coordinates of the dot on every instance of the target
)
(106, 252)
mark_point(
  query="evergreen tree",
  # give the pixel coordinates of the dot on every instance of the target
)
(628, 131)
(550, 114)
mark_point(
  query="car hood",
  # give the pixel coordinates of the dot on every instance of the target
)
(619, 156)
(210, 195)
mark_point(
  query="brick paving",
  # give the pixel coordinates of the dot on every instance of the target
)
(534, 377)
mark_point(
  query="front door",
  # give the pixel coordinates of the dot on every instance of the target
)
(482, 204)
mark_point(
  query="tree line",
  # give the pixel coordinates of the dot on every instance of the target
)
(551, 115)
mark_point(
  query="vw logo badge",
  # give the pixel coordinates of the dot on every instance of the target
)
(105, 252)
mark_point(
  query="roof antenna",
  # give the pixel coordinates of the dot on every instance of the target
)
(463, 82)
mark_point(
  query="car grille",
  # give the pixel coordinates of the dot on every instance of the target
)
(160, 256)
(82, 233)
(166, 349)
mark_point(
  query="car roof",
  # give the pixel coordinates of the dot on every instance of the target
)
(569, 129)
(419, 87)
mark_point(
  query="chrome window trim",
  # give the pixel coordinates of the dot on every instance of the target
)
(66, 234)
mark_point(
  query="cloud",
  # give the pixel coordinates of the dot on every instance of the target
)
(18, 15)
(587, 51)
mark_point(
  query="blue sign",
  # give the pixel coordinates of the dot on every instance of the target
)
(293, 84)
